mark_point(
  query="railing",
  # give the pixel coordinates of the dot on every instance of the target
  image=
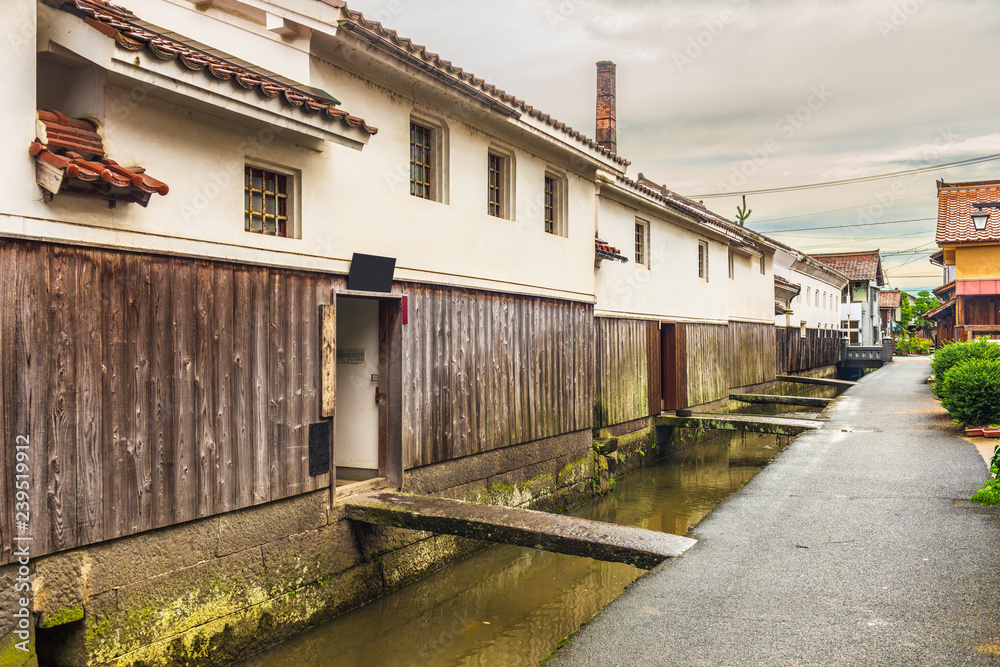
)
(866, 356)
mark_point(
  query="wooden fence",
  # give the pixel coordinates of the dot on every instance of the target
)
(485, 370)
(794, 353)
(627, 357)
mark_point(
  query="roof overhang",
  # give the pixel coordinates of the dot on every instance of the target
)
(67, 35)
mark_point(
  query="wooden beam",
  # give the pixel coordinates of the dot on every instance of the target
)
(527, 528)
(328, 390)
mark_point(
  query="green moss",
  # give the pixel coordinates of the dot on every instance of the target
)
(61, 617)
(11, 655)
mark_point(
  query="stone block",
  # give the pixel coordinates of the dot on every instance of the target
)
(256, 526)
(137, 557)
(605, 446)
(576, 471)
(172, 603)
(59, 589)
(237, 635)
(301, 559)
(375, 540)
(410, 563)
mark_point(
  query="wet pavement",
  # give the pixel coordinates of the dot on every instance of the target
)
(855, 547)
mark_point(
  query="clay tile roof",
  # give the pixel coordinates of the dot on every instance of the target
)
(955, 209)
(406, 48)
(74, 147)
(606, 251)
(124, 27)
(940, 310)
(778, 280)
(855, 265)
(889, 299)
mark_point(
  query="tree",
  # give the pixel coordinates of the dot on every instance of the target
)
(912, 319)
(742, 212)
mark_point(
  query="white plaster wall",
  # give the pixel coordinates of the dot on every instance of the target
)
(348, 200)
(804, 306)
(670, 288)
(17, 53)
(751, 293)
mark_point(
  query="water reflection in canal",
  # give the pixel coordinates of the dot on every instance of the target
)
(511, 605)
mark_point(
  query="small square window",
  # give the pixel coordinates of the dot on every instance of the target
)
(703, 260)
(641, 242)
(266, 207)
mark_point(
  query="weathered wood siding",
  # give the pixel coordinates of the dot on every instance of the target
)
(483, 371)
(622, 391)
(707, 347)
(795, 353)
(751, 353)
(719, 357)
(154, 390)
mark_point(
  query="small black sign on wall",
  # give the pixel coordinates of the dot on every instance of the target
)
(371, 273)
(319, 448)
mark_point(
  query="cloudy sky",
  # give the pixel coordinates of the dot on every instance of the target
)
(723, 96)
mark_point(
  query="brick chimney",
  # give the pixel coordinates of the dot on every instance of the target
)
(606, 96)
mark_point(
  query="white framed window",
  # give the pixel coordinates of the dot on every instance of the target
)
(732, 266)
(703, 260)
(763, 266)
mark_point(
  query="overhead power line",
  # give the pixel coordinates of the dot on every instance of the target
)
(853, 224)
(850, 181)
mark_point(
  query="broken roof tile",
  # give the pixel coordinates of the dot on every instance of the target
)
(75, 147)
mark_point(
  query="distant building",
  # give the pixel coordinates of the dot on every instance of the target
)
(859, 307)
(970, 258)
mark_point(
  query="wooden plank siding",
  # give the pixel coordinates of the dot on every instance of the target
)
(795, 353)
(486, 370)
(721, 356)
(622, 390)
(154, 390)
(751, 353)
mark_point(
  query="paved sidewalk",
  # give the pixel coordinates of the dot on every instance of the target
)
(852, 548)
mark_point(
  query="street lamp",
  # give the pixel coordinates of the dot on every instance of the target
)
(982, 215)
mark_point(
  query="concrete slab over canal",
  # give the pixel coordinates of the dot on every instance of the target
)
(737, 422)
(826, 382)
(527, 528)
(773, 399)
(854, 547)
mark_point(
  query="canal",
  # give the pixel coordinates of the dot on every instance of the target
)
(511, 605)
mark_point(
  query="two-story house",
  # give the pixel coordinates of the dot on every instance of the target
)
(968, 233)
(859, 305)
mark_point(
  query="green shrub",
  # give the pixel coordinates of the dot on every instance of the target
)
(955, 353)
(971, 391)
(913, 345)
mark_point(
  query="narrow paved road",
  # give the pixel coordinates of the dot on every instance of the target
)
(852, 548)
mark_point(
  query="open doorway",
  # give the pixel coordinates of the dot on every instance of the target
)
(368, 416)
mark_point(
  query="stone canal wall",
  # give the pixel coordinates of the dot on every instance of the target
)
(217, 589)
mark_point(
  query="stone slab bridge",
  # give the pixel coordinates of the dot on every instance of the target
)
(521, 527)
